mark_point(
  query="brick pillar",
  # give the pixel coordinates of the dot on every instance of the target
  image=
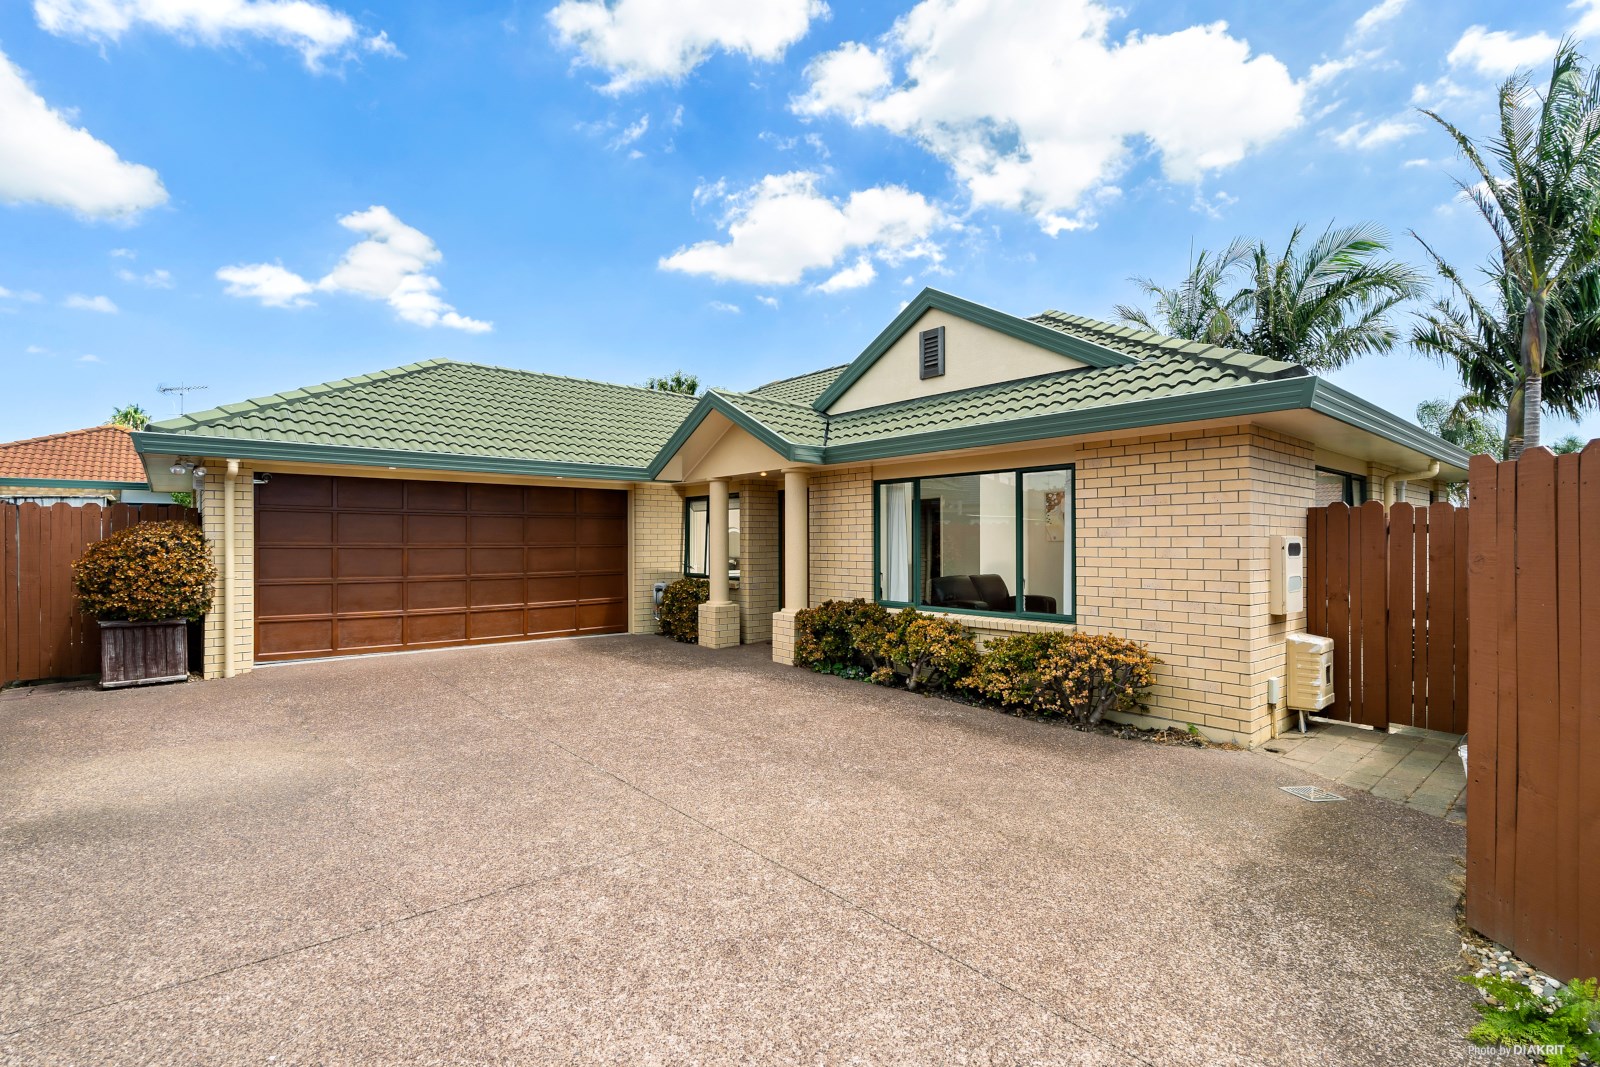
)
(796, 565)
(719, 617)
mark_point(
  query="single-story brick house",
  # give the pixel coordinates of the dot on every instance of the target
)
(1018, 473)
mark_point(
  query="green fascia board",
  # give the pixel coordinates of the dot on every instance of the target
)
(68, 483)
(1010, 325)
(1251, 399)
(1282, 394)
(1345, 406)
(786, 448)
(347, 455)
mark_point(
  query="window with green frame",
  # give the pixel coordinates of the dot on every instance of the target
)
(697, 536)
(992, 542)
(1335, 487)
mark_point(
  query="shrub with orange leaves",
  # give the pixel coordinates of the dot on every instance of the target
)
(1078, 675)
(147, 572)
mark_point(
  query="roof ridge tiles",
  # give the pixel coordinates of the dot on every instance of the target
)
(65, 433)
(274, 400)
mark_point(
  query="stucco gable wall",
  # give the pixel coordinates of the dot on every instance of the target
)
(974, 355)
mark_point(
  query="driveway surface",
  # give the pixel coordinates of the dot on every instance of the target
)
(625, 850)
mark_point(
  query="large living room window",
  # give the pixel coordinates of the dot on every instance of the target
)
(995, 542)
(697, 536)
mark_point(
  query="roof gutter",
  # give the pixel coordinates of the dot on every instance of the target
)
(347, 455)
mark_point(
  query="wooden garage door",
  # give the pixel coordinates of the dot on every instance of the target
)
(350, 565)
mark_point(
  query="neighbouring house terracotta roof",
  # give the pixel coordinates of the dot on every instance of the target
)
(98, 454)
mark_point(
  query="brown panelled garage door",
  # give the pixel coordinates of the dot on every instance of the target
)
(350, 565)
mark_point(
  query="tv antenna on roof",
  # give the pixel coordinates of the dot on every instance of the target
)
(179, 390)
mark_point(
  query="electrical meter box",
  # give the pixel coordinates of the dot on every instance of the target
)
(1310, 662)
(1286, 593)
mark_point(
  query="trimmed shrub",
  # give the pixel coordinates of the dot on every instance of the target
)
(1078, 676)
(680, 608)
(825, 636)
(928, 651)
(145, 573)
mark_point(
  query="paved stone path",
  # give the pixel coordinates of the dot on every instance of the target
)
(1417, 768)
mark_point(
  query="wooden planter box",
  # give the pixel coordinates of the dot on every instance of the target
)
(143, 653)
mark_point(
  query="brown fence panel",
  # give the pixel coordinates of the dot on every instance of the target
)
(1533, 833)
(1402, 521)
(1587, 741)
(1389, 586)
(1338, 593)
(8, 594)
(42, 632)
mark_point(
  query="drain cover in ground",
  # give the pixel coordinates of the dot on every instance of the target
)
(1315, 794)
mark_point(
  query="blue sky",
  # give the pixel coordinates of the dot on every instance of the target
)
(254, 196)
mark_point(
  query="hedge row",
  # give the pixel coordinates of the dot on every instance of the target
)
(1076, 676)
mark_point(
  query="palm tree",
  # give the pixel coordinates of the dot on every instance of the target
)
(1325, 306)
(1196, 309)
(676, 382)
(1480, 339)
(130, 415)
(1319, 307)
(1542, 204)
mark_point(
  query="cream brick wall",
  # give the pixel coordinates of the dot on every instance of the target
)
(1173, 533)
(657, 537)
(212, 503)
(840, 532)
(757, 592)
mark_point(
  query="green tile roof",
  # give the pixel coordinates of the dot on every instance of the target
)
(803, 388)
(1142, 343)
(1155, 377)
(444, 415)
(440, 407)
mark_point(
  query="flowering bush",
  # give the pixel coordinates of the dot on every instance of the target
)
(825, 636)
(680, 608)
(928, 651)
(1078, 675)
(147, 572)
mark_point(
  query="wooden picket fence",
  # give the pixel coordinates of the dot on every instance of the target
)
(1390, 587)
(43, 635)
(1533, 781)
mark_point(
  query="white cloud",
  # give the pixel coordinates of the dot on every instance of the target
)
(640, 41)
(45, 159)
(1049, 129)
(1377, 15)
(632, 133)
(1214, 206)
(769, 301)
(389, 264)
(724, 307)
(25, 295)
(79, 302)
(315, 30)
(1369, 135)
(1497, 53)
(269, 283)
(1436, 94)
(1326, 71)
(154, 279)
(852, 277)
(124, 253)
(86, 358)
(782, 227)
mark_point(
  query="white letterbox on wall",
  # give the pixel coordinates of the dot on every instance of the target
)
(1286, 594)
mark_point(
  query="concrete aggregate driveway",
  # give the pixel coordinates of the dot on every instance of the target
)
(624, 850)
